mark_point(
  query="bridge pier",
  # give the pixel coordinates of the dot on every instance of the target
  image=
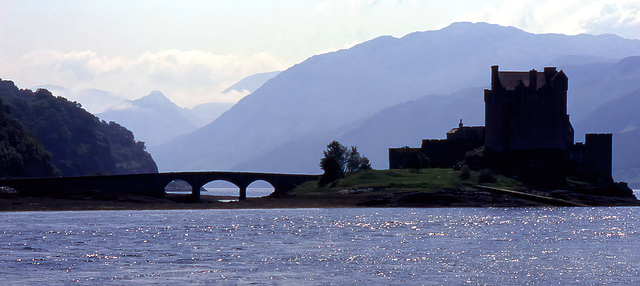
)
(195, 192)
(243, 193)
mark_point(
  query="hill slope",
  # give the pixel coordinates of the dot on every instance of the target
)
(20, 154)
(328, 95)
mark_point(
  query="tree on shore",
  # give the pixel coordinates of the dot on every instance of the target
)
(355, 161)
(338, 160)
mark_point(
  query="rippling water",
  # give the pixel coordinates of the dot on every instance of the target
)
(323, 246)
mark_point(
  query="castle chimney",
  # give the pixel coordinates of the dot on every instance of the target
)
(533, 79)
(460, 124)
(549, 72)
(495, 80)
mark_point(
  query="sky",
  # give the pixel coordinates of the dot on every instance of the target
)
(192, 50)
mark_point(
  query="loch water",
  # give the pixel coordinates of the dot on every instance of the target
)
(401, 246)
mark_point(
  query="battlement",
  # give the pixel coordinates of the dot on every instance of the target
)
(466, 132)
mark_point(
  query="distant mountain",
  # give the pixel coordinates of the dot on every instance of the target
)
(626, 158)
(208, 112)
(619, 116)
(153, 119)
(622, 118)
(54, 88)
(591, 85)
(77, 141)
(252, 82)
(573, 60)
(334, 95)
(93, 100)
(96, 100)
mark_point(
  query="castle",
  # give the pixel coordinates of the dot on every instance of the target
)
(527, 133)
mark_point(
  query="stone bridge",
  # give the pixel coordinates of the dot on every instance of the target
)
(153, 184)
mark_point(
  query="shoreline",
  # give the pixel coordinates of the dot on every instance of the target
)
(26, 204)
(444, 198)
(430, 188)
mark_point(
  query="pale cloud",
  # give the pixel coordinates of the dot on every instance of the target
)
(187, 77)
(193, 50)
(621, 17)
(566, 17)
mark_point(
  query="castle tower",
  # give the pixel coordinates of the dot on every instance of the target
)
(527, 111)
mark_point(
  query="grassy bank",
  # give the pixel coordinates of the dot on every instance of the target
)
(448, 188)
(392, 181)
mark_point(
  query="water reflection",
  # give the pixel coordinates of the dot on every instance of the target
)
(220, 194)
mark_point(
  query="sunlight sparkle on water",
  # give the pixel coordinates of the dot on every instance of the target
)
(323, 246)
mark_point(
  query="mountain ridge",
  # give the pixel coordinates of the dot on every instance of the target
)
(252, 82)
(330, 92)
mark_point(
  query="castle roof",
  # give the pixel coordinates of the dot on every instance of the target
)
(510, 79)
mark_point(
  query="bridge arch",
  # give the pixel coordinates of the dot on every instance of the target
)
(178, 189)
(260, 188)
(178, 186)
(221, 189)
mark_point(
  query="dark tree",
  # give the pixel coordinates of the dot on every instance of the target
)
(357, 162)
(354, 160)
(333, 162)
(339, 159)
(338, 152)
(365, 164)
(332, 170)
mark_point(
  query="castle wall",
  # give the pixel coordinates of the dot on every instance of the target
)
(496, 121)
(466, 133)
(402, 158)
(447, 153)
(598, 156)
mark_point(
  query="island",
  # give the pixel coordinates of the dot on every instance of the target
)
(432, 187)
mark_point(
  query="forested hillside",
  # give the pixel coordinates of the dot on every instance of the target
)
(20, 154)
(79, 143)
